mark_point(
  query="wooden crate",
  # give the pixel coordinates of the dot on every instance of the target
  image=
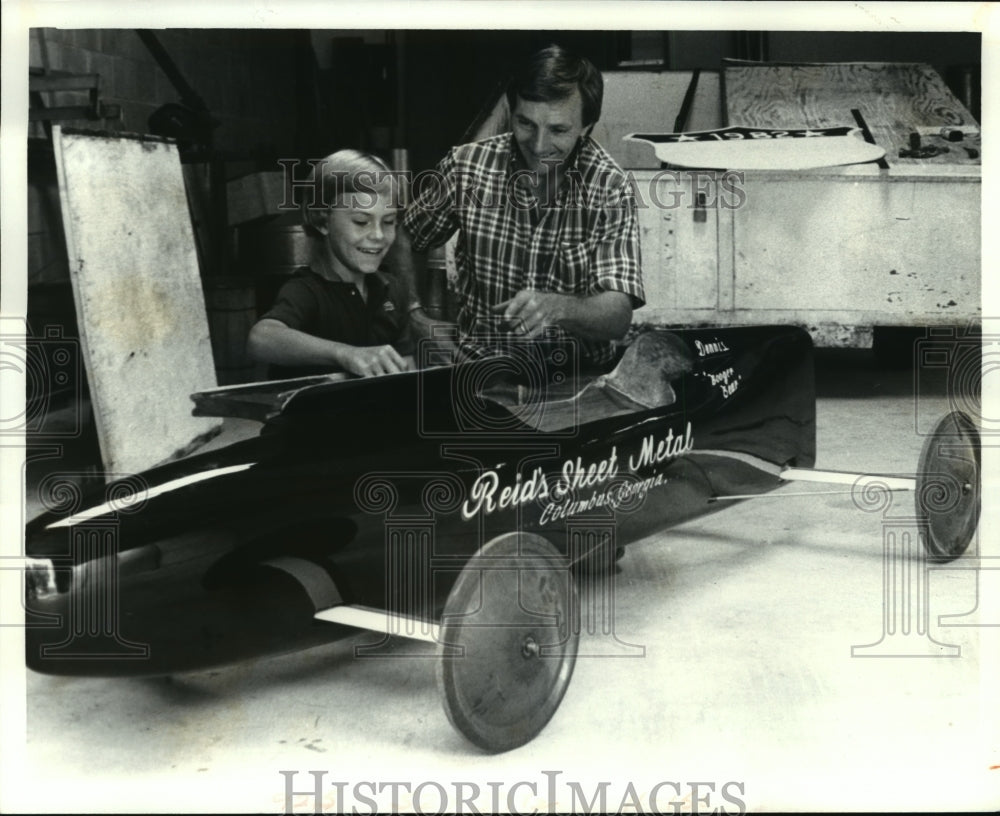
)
(838, 250)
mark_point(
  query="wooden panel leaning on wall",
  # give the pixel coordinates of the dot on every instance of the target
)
(138, 295)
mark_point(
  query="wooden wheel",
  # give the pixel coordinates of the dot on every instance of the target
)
(507, 642)
(948, 486)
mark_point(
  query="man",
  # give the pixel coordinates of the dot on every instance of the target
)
(548, 236)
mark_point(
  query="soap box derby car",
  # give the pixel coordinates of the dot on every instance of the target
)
(459, 504)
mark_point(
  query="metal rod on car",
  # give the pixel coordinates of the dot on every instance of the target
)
(780, 495)
(855, 480)
(381, 620)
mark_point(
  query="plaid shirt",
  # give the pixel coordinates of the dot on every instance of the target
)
(587, 243)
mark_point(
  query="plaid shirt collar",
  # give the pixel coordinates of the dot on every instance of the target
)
(516, 162)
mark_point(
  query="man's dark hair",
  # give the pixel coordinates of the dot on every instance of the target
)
(550, 75)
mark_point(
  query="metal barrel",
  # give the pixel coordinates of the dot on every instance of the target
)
(270, 252)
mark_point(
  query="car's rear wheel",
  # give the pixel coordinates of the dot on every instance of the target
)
(949, 483)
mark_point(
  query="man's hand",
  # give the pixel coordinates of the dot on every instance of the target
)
(529, 311)
(602, 316)
(372, 361)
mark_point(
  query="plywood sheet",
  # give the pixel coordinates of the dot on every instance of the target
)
(138, 295)
(895, 99)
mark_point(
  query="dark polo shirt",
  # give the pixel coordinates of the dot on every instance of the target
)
(335, 310)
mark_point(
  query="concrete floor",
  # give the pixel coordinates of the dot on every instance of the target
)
(746, 681)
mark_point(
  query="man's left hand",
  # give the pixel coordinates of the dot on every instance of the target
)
(530, 311)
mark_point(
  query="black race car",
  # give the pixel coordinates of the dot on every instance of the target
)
(460, 504)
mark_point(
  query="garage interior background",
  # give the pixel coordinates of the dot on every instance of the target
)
(239, 100)
(751, 617)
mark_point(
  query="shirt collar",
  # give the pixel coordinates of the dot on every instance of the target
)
(378, 286)
(516, 160)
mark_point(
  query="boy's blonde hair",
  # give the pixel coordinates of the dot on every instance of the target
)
(345, 172)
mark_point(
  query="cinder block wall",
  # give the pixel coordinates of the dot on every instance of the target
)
(246, 77)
